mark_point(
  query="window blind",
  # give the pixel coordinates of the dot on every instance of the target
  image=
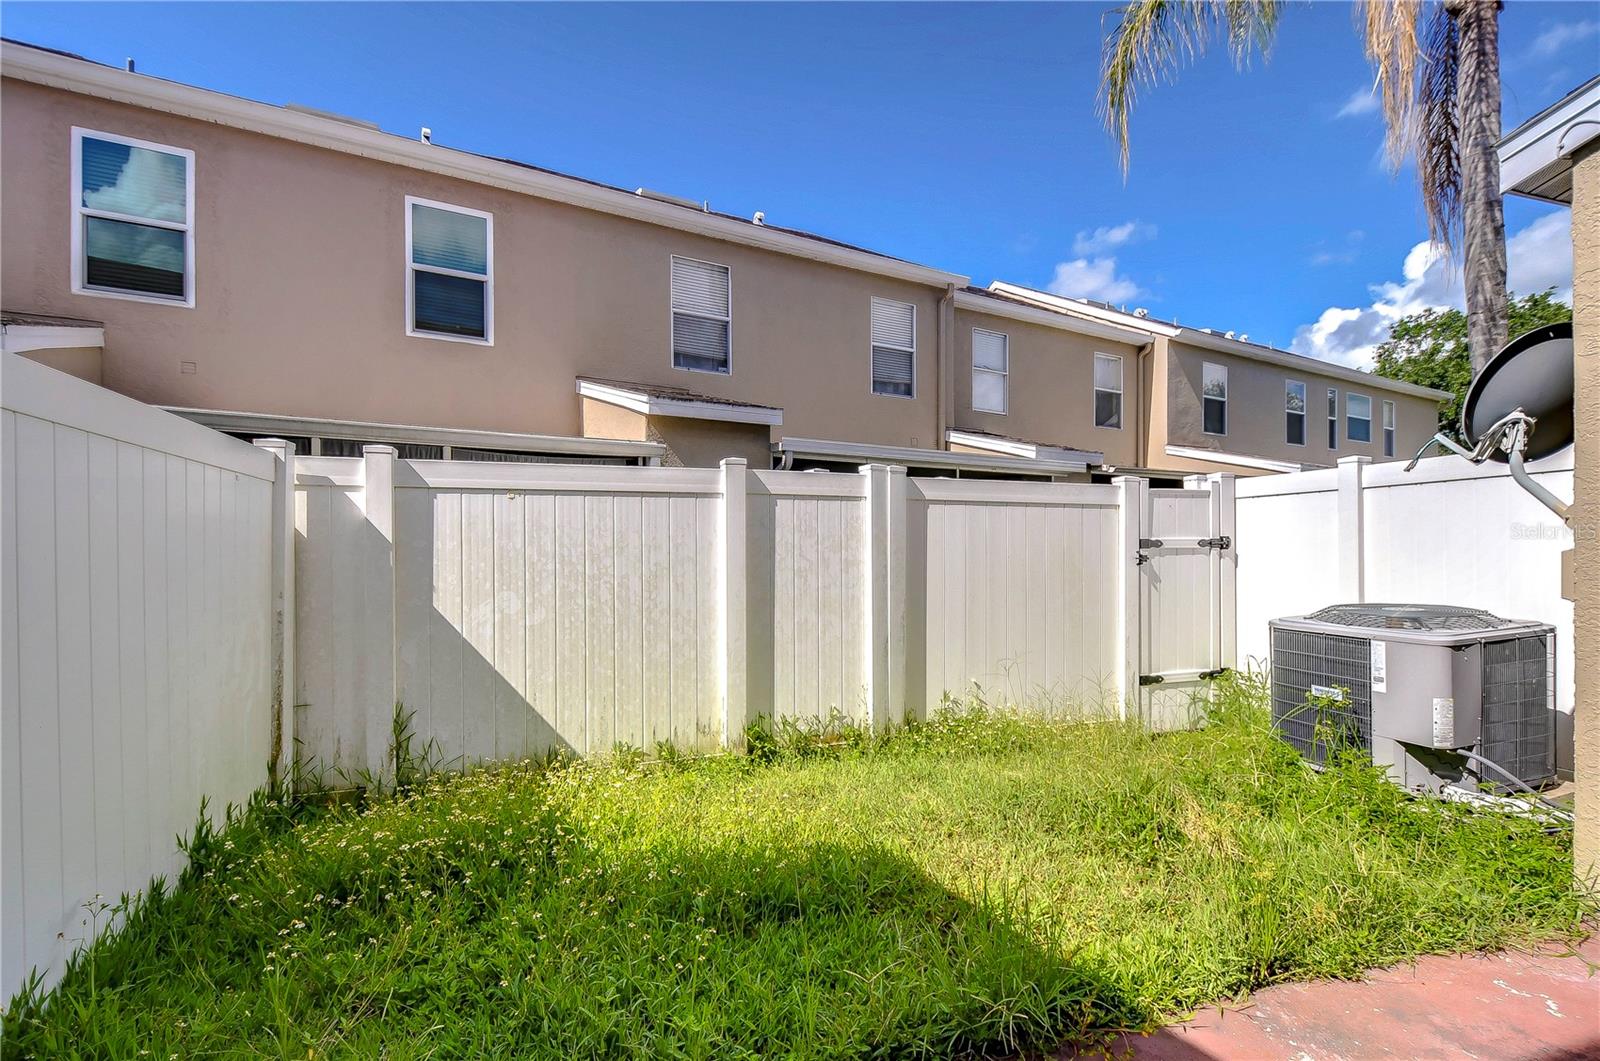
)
(894, 334)
(702, 310)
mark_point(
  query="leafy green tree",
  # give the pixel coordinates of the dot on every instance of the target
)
(1431, 349)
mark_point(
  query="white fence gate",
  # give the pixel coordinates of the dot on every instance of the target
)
(1185, 562)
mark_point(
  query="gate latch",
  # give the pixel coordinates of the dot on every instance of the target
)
(1223, 542)
(1151, 679)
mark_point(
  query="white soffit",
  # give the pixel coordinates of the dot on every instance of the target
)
(21, 338)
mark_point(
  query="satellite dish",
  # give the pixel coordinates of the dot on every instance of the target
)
(1519, 409)
(1533, 374)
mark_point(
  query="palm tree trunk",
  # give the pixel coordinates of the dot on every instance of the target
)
(1483, 218)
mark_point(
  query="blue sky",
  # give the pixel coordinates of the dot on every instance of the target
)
(961, 136)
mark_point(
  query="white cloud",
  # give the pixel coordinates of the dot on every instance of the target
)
(1362, 101)
(1558, 36)
(1094, 278)
(1538, 257)
(1109, 237)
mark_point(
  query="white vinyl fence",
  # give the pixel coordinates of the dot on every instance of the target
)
(188, 616)
(1446, 533)
(505, 610)
(137, 669)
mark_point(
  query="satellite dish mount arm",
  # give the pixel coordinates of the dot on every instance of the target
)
(1509, 435)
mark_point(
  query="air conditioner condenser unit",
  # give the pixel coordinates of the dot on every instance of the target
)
(1429, 691)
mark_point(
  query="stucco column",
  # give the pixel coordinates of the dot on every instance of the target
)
(1585, 516)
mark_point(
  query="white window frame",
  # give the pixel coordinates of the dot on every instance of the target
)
(1094, 392)
(1349, 417)
(912, 350)
(1004, 373)
(672, 325)
(487, 279)
(1305, 414)
(1224, 399)
(80, 212)
(1333, 419)
(1390, 428)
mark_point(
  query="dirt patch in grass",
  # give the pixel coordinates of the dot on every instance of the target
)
(979, 883)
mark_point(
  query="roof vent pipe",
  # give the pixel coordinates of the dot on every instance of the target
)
(426, 136)
(130, 65)
(760, 218)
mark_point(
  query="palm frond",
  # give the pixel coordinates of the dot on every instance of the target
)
(1414, 56)
(1438, 141)
(1153, 39)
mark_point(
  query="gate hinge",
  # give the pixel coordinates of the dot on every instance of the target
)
(1151, 679)
(1222, 542)
(1207, 675)
(1151, 543)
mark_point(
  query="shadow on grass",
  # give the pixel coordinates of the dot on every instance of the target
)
(630, 945)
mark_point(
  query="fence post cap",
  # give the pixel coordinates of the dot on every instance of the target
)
(379, 449)
(1360, 458)
(273, 443)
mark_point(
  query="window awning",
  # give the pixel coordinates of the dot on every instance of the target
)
(657, 400)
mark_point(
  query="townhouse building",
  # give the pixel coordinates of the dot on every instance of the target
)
(276, 270)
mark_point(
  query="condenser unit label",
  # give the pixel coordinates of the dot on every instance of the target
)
(1331, 692)
(1444, 722)
(1380, 666)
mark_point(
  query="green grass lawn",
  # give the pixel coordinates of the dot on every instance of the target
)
(981, 883)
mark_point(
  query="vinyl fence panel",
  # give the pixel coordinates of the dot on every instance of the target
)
(814, 535)
(1020, 591)
(138, 677)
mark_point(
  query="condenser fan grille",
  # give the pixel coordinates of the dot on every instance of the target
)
(1410, 617)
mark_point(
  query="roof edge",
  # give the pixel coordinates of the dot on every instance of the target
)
(1001, 306)
(1286, 359)
(26, 62)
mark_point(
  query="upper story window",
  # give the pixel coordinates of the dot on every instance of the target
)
(1333, 418)
(449, 272)
(702, 316)
(990, 362)
(132, 219)
(1294, 411)
(1214, 398)
(1388, 429)
(1107, 390)
(894, 348)
(1358, 417)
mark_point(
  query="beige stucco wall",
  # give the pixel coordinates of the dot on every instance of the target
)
(690, 443)
(81, 361)
(1585, 514)
(704, 443)
(300, 294)
(1049, 387)
(604, 420)
(1256, 416)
